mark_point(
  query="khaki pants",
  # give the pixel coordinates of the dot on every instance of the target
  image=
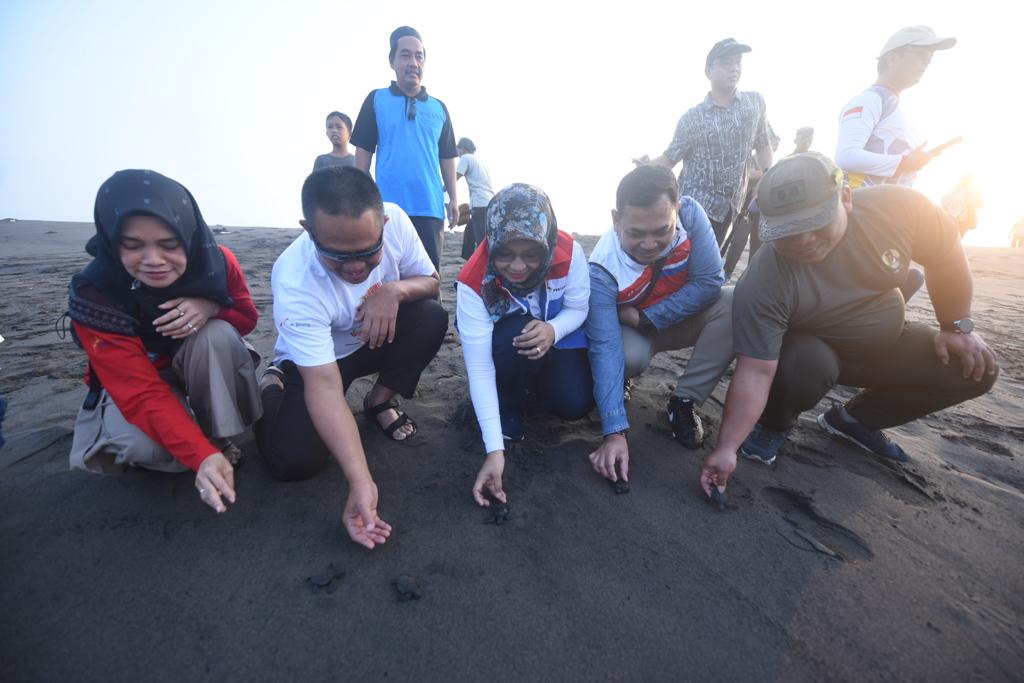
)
(213, 374)
(709, 332)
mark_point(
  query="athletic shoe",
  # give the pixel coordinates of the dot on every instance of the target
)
(763, 445)
(687, 427)
(839, 423)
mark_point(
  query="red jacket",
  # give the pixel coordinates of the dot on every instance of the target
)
(143, 397)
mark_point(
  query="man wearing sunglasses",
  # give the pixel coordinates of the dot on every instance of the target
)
(412, 135)
(354, 295)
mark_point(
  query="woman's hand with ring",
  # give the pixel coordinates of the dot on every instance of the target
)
(184, 316)
(214, 479)
(536, 339)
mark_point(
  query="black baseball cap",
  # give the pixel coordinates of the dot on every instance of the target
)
(724, 48)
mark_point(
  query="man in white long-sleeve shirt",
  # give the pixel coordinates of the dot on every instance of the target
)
(876, 141)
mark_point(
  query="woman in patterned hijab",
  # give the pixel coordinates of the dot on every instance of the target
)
(522, 299)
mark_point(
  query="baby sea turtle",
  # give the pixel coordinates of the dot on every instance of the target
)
(619, 486)
(718, 498)
(497, 512)
(407, 587)
(327, 581)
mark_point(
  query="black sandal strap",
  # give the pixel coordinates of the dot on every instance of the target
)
(402, 420)
(379, 408)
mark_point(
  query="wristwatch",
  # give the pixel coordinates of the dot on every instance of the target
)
(963, 326)
(621, 432)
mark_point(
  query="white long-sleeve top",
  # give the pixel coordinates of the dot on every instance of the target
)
(874, 135)
(476, 328)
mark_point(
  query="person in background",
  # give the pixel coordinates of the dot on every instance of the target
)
(963, 202)
(803, 140)
(744, 227)
(411, 133)
(479, 180)
(714, 140)
(877, 143)
(1017, 234)
(521, 303)
(160, 313)
(339, 130)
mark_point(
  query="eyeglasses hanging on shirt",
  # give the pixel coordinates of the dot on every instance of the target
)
(410, 108)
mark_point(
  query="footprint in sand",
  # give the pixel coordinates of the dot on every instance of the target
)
(818, 532)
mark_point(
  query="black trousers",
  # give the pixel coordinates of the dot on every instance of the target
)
(561, 379)
(721, 227)
(287, 438)
(901, 384)
(475, 232)
(742, 229)
(429, 229)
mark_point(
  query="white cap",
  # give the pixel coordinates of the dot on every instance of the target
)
(922, 36)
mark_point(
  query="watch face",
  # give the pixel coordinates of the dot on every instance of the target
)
(965, 326)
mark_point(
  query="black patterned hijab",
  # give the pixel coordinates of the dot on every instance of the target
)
(518, 212)
(105, 297)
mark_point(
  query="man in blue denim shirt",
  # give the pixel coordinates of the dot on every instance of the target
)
(655, 285)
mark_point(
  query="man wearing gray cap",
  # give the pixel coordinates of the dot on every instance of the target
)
(876, 141)
(819, 306)
(714, 140)
(411, 133)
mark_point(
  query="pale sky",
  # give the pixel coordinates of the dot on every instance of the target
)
(229, 98)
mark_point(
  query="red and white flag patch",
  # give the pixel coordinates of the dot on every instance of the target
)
(852, 113)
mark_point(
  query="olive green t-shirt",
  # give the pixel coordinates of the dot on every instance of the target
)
(850, 299)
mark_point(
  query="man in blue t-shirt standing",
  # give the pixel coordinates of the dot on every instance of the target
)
(415, 143)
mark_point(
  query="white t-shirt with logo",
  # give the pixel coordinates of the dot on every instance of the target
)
(314, 309)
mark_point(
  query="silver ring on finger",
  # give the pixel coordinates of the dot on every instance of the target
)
(202, 492)
(191, 326)
(180, 313)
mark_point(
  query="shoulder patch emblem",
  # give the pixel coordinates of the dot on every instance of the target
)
(892, 259)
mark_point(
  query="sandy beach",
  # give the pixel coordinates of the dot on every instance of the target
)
(831, 565)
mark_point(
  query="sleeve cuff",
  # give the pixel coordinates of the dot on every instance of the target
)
(614, 422)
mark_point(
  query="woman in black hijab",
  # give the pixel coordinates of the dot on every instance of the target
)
(160, 312)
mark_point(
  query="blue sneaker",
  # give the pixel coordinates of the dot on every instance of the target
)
(762, 445)
(839, 423)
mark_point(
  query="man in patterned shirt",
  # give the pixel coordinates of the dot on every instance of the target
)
(714, 139)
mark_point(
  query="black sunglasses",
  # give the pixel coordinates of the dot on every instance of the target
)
(410, 108)
(345, 256)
